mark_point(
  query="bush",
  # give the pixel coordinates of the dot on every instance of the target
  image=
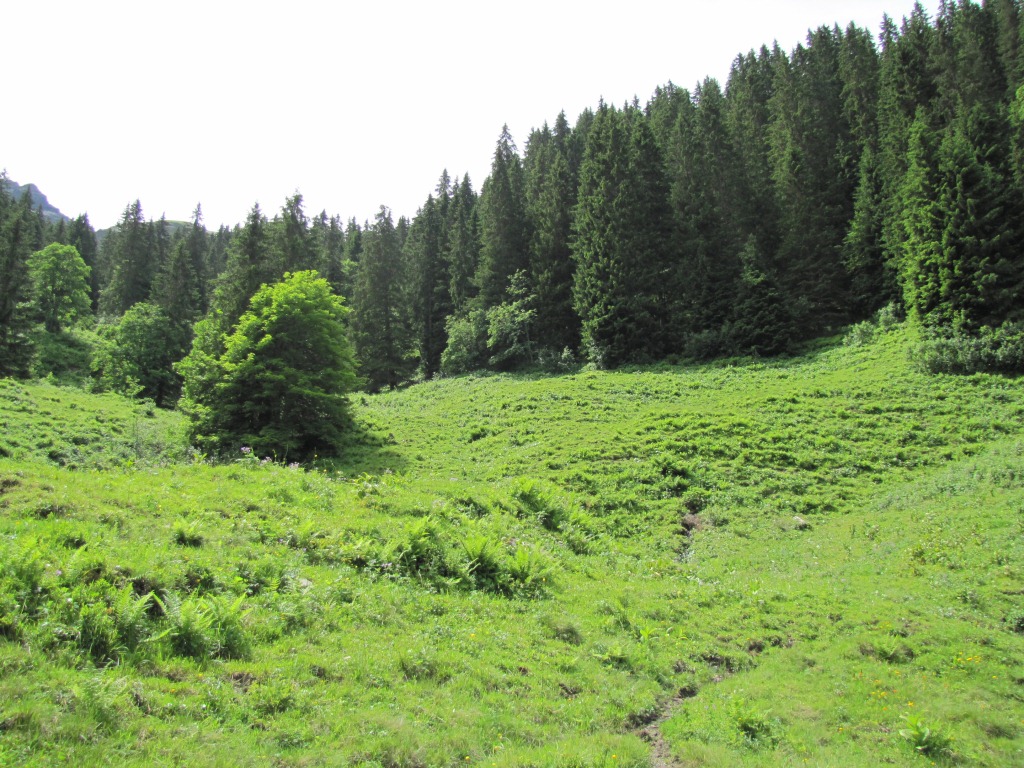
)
(467, 343)
(992, 350)
(136, 355)
(282, 382)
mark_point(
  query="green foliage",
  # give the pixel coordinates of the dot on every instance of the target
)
(136, 355)
(509, 325)
(561, 594)
(280, 385)
(620, 241)
(467, 343)
(926, 740)
(995, 350)
(60, 285)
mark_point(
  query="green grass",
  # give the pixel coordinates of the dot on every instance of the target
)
(815, 561)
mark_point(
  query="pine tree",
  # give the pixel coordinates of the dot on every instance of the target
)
(428, 278)
(504, 234)
(550, 200)
(126, 259)
(463, 248)
(20, 235)
(621, 241)
(380, 321)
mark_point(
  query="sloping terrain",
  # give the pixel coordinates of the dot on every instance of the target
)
(815, 561)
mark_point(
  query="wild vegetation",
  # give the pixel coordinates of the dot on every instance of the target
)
(572, 543)
(810, 190)
(811, 561)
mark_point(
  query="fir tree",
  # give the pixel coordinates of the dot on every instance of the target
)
(621, 241)
(550, 200)
(428, 278)
(380, 319)
(20, 235)
(127, 261)
(504, 236)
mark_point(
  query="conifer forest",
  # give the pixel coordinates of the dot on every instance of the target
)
(810, 190)
(690, 436)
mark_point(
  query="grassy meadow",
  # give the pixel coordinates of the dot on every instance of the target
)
(812, 561)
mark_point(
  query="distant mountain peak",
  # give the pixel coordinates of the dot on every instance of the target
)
(50, 212)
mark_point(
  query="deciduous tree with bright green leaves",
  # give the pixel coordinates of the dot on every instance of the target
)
(281, 385)
(60, 285)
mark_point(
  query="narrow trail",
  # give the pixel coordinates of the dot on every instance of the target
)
(650, 730)
(661, 754)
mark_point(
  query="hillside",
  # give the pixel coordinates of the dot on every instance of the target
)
(50, 212)
(809, 561)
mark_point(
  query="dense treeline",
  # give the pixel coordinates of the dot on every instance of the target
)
(815, 188)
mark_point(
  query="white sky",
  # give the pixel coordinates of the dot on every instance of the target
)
(352, 104)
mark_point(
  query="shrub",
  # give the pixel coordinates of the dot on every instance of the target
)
(281, 383)
(467, 343)
(136, 355)
(994, 350)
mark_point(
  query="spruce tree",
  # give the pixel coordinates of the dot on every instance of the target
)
(620, 244)
(428, 279)
(550, 200)
(982, 283)
(251, 262)
(328, 235)
(504, 235)
(294, 242)
(20, 235)
(704, 170)
(82, 237)
(463, 247)
(127, 261)
(814, 175)
(922, 264)
(380, 323)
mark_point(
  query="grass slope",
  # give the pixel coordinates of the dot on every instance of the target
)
(808, 562)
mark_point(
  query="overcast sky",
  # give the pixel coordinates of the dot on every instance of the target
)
(354, 105)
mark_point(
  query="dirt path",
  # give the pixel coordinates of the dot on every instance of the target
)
(661, 755)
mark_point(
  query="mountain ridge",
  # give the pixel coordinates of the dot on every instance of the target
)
(39, 200)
